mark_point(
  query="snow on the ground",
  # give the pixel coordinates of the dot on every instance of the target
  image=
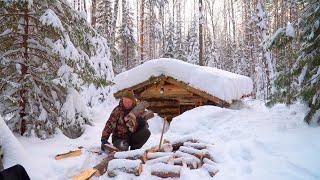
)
(255, 142)
(219, 83)
(250, 141)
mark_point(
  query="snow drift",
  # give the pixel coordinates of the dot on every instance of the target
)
(255, 142)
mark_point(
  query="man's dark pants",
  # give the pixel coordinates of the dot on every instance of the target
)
(136, 140)
(16, 172)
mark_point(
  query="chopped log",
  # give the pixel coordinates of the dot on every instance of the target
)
(164, 159)
(166, 147)
(68, 154)
(208, 161)
(102, 166)
(198, 146)
(212, 170)
(165, 170)
(132, 155)
(176, 144)
(110, 148)
(124, 165)
(189, 162)
(86, 174)
(197, 153)
(187, 156)
(154, 155)
(209, 156)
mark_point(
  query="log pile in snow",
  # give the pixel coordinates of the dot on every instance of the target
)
(163, 162)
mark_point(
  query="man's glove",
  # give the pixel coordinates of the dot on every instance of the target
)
(103, 142)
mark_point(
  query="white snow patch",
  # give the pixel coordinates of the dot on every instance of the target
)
(14, 153)
(290, 30)
(50, 18)
(253, 142)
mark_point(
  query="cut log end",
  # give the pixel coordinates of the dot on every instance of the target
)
(166, 170)
(124, 165)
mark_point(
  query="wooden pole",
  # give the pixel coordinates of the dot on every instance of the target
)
(164, 123)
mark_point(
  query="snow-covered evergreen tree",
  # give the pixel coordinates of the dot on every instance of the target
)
(265, 56)
(179, 49)
(169, 48)
(192, 42)
(49, 53)
(126, 37)
(286, 86)
(104, 18)
(308, 64)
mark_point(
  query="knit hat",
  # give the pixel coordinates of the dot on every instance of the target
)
(128, 94)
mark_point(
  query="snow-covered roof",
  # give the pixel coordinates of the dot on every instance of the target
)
(222, 84)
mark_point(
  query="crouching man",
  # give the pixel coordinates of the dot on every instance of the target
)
(122, 135)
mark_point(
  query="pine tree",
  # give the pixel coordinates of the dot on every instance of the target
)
(192, 43)
(48, 53)
(169, 48)
(178, 39)
(308, 64)
(265, 55)
(286, 87)
(104, 19)
(126, 37)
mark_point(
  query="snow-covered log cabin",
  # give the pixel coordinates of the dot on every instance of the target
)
(173, 86)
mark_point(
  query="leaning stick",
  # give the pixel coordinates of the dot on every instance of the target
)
(164, 123)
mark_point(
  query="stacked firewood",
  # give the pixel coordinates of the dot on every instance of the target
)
(164, 162)
(188, 153)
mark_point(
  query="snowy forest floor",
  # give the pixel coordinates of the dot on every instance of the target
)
(253, 142)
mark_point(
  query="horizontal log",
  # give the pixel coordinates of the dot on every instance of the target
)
(179, 154)
(162, 103)
(124, 165)
(208, 161)
(167, 90)
(174, 110)
(195, 152)
(198, 146)
(166, 147)
(177, 143)
(68, 154)
(209, 156)
(154, 155)
(188, 162)
(212, 170)
(132, 155)
(165, 170)
(164, 159)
